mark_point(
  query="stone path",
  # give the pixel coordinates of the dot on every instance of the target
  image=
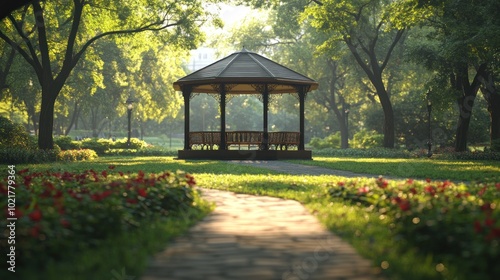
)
(258, 237)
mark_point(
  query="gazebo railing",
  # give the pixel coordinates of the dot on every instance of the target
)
(284, 140)
(204, 140)
(248, 138)
(209, 140)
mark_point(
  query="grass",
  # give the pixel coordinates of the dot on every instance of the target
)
(420, 168)
(366, 231)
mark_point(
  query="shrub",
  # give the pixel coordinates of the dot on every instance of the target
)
(15, 136)
(134, 144)
(77, 155)
(21, 155)
(365, 153)
(66, 143)
(100, 146)
(331, 141)
(476, 155)
(365, 139)
(148, 151)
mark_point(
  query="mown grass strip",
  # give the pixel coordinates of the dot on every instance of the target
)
(420, 168)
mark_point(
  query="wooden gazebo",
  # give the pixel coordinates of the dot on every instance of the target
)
(244, 72)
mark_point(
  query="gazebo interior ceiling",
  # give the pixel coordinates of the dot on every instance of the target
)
(241, 88)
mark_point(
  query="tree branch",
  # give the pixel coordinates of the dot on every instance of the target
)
(43, 45)
(399, 34)
(31, 58)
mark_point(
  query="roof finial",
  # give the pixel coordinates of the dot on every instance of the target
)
(244, 50)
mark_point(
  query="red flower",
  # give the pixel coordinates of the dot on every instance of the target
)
(486, 207)
(489, 222)
(413, 191)
(67, 176)
(36, 215)
(409, 181)
(58, 194)
(191, 180)
(428, 180)
(104, 174)
(481, 191)
(35, 230)
(65, 223)
(477, 227)
(142, 192)
(114, 184)
(27, 181)
(100, 196)
(404, 205)
(340, 184)
(382, 183)
(497, 185)
(494, 233)
(111, 167)
(131, 201)
(23, 171)
(444, 185)
(430, 190)
(49, 188)
(363, 190)
(396, 200)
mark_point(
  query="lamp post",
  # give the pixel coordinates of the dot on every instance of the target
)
(129, 115)
(429, 110)
(346, 111)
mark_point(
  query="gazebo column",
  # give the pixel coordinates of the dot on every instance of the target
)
(222, 117)
(265, 101)
(186, 93)
(302, 98)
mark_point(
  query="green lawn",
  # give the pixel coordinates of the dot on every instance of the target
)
(418, 168)
(370, 234)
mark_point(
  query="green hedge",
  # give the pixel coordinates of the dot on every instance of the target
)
(366, 153)
(100, 146)
(77, 155)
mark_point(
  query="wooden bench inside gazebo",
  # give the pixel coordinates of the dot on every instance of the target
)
(210, 140)
(244, 72)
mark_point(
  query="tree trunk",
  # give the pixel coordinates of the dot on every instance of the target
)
(76, 109)
(494, 109)
(468, 92)
(385, 101)
(332, 104)
(465, 106)
(492, 96)
(389, 133)
(46, 122)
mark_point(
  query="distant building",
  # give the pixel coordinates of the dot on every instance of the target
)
(200, 58)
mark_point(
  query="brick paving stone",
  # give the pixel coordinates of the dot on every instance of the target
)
(259, 237)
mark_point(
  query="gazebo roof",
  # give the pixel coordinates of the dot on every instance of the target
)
(242, 71)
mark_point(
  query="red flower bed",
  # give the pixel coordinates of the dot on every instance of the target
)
(441, 218)
(60, 211)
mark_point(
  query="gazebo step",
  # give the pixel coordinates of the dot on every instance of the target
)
(243, 154)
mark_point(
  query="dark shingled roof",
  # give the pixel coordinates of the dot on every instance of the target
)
(242, 69)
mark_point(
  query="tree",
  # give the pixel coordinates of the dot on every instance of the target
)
(365, 27)
(462, 47)
(53, 56)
